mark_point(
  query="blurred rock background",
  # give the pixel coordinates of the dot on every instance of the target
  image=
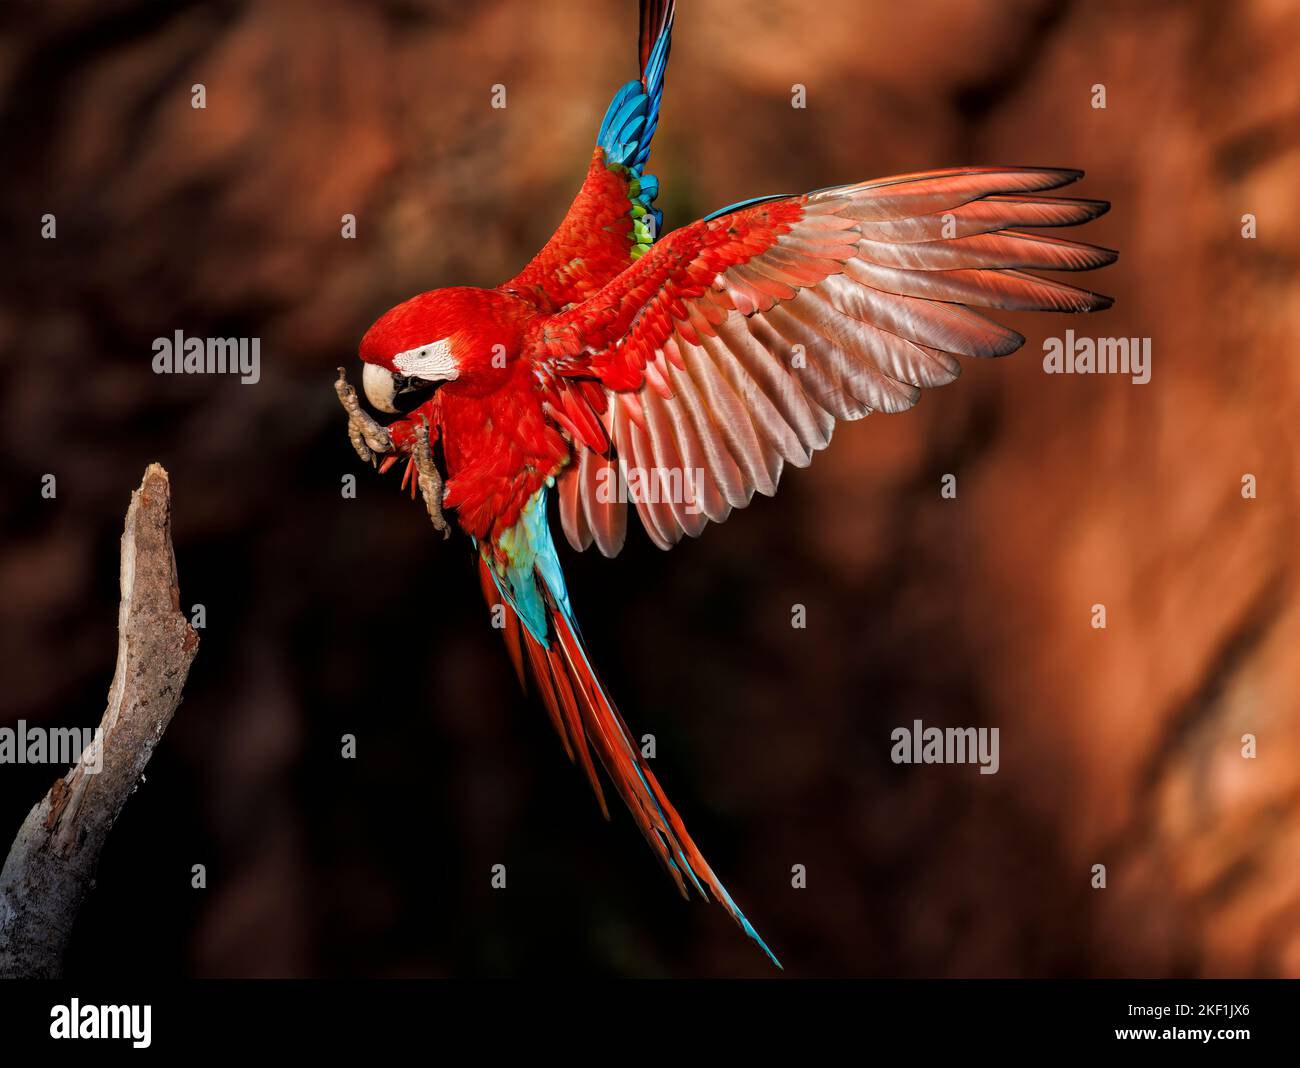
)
(328, 616)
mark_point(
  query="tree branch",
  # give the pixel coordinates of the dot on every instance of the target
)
(53, 859)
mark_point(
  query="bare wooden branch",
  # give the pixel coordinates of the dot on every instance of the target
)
(52, 862)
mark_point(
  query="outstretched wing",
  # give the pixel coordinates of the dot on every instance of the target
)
(733, 346)
(613, 221)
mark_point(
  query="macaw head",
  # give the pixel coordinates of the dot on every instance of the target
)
(458, 335)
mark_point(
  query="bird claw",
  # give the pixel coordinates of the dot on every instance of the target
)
(366, 435)
(370, 439)
(430, 477)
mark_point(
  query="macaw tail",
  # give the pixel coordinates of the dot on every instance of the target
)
(585, 719)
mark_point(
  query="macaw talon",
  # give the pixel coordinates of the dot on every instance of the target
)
(429, 478)
(366, 435)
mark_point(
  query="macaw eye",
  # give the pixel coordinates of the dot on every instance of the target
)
(433, 361)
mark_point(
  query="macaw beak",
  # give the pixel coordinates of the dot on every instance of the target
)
(396, 394)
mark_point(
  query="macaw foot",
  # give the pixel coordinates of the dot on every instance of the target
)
(370, 440)
(430, 478)
(367, 436)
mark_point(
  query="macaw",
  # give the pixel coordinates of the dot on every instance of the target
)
(704, 360)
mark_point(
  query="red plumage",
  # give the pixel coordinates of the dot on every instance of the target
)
(718, 355)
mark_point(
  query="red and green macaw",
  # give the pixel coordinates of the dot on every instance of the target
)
(694, 365)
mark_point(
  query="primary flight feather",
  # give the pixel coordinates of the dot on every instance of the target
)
(682, 373)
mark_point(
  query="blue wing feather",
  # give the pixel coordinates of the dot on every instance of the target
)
(743, 204)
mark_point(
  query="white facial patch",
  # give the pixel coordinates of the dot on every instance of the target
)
(432, 362)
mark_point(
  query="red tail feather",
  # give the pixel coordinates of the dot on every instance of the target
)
(586, 719)
(655, 15)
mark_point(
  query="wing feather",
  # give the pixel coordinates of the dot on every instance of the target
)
(733, 346)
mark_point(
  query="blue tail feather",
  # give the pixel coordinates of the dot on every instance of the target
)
(630, 123)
